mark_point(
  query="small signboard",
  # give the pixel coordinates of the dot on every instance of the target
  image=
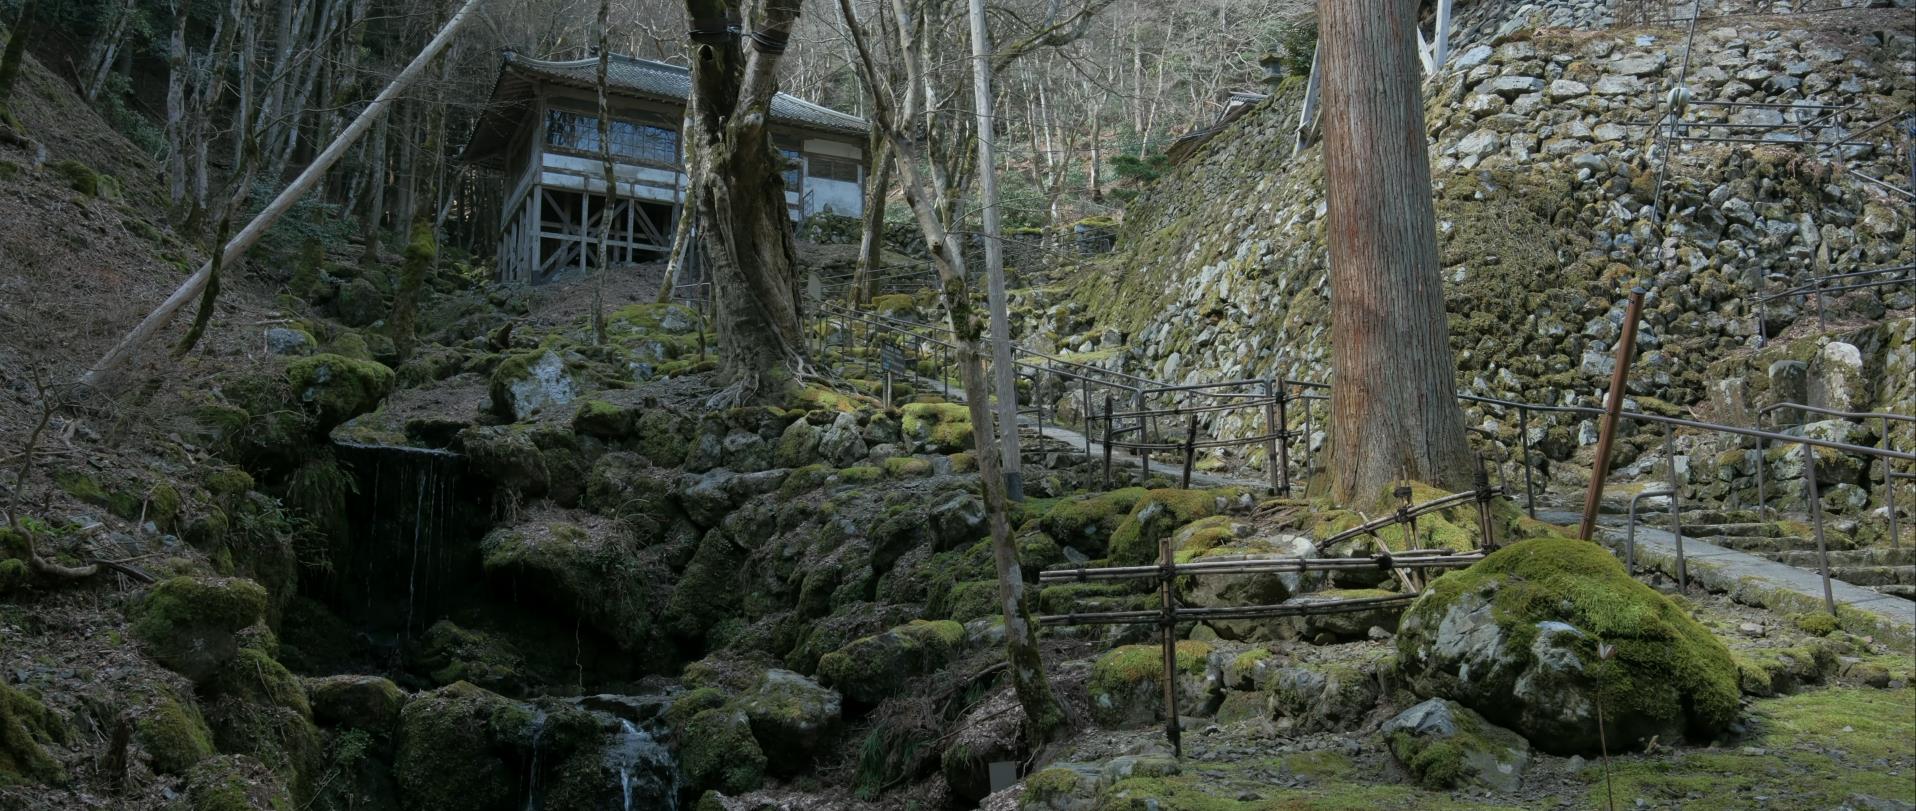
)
(892, 359)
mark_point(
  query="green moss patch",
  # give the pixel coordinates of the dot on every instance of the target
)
(1668, 677)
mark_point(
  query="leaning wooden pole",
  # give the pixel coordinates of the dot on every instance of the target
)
(1612, 409)
(237, 247)
(1004, 374)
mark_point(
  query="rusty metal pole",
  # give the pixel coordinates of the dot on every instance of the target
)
(1762, 498)
(1889, 488)
(1107, 442)
(1170, 640)
(1523, 442)
(1815, 506)
(1676, 509)
(1281, 474)
(1486, 541)
(1190, 453)
(1613, 406)
(1085, 387)
(1144, 436)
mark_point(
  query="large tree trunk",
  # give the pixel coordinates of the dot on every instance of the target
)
(10, 61)
(1003, 371)
(740, 192)
(932, 202)
(1394, 409)
(871, 242)
(177, 132)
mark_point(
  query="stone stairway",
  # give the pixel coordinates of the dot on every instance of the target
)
(1791, 542)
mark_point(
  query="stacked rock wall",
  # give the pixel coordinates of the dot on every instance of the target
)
(1545, 180)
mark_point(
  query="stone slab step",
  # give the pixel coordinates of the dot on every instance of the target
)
(1747, 530)
(1807, 558)
(1875, 575)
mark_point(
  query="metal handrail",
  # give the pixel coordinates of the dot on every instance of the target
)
(1850, 415)
(1630, 538)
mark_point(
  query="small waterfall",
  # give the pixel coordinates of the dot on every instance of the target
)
(411, 542)
(532, 765)
(647, 774)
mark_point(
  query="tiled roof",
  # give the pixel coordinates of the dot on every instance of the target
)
(648, 78)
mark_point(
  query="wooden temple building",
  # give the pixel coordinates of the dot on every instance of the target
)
(540, 130)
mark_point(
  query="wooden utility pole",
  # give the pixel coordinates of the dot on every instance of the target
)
(1004, 373)
(1394, 410)
(238, 246)
(1612, 410)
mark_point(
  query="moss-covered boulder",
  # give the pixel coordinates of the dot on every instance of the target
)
(525, 383)
(235, 783)
(506, 456)
(1127, 683)
(590, 573)
(872, 668)
(258, 708)
(335, 388)
(1087, 522)
(936, 427)
(371, 703)
(792, 718)
(27, 728)
(1157, 514)
(449, 654)
(445, 758)
(1516, 637)
(173, 734)
(1323, 696)
(1444, 745)
(191, 624)
(717, 752)
(1213, 540)
(706, 593)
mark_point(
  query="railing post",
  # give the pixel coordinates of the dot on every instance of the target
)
(1523, 443)
(1762, 498)
(1190, 452)
(1144, 436)
(1107, 442)
(1279, 450)
(1816, 524)
(1168, 622)
(1085, 387)
(1889, 491)
(1676, 508)
(1310, 460)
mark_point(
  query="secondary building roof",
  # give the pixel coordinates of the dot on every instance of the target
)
(626, 76)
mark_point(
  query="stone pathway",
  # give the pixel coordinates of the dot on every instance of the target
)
(1759, 581)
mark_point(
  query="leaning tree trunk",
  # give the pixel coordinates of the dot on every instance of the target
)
(871, 242)
(10, 60)
(1394, 409)
(740, 193)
